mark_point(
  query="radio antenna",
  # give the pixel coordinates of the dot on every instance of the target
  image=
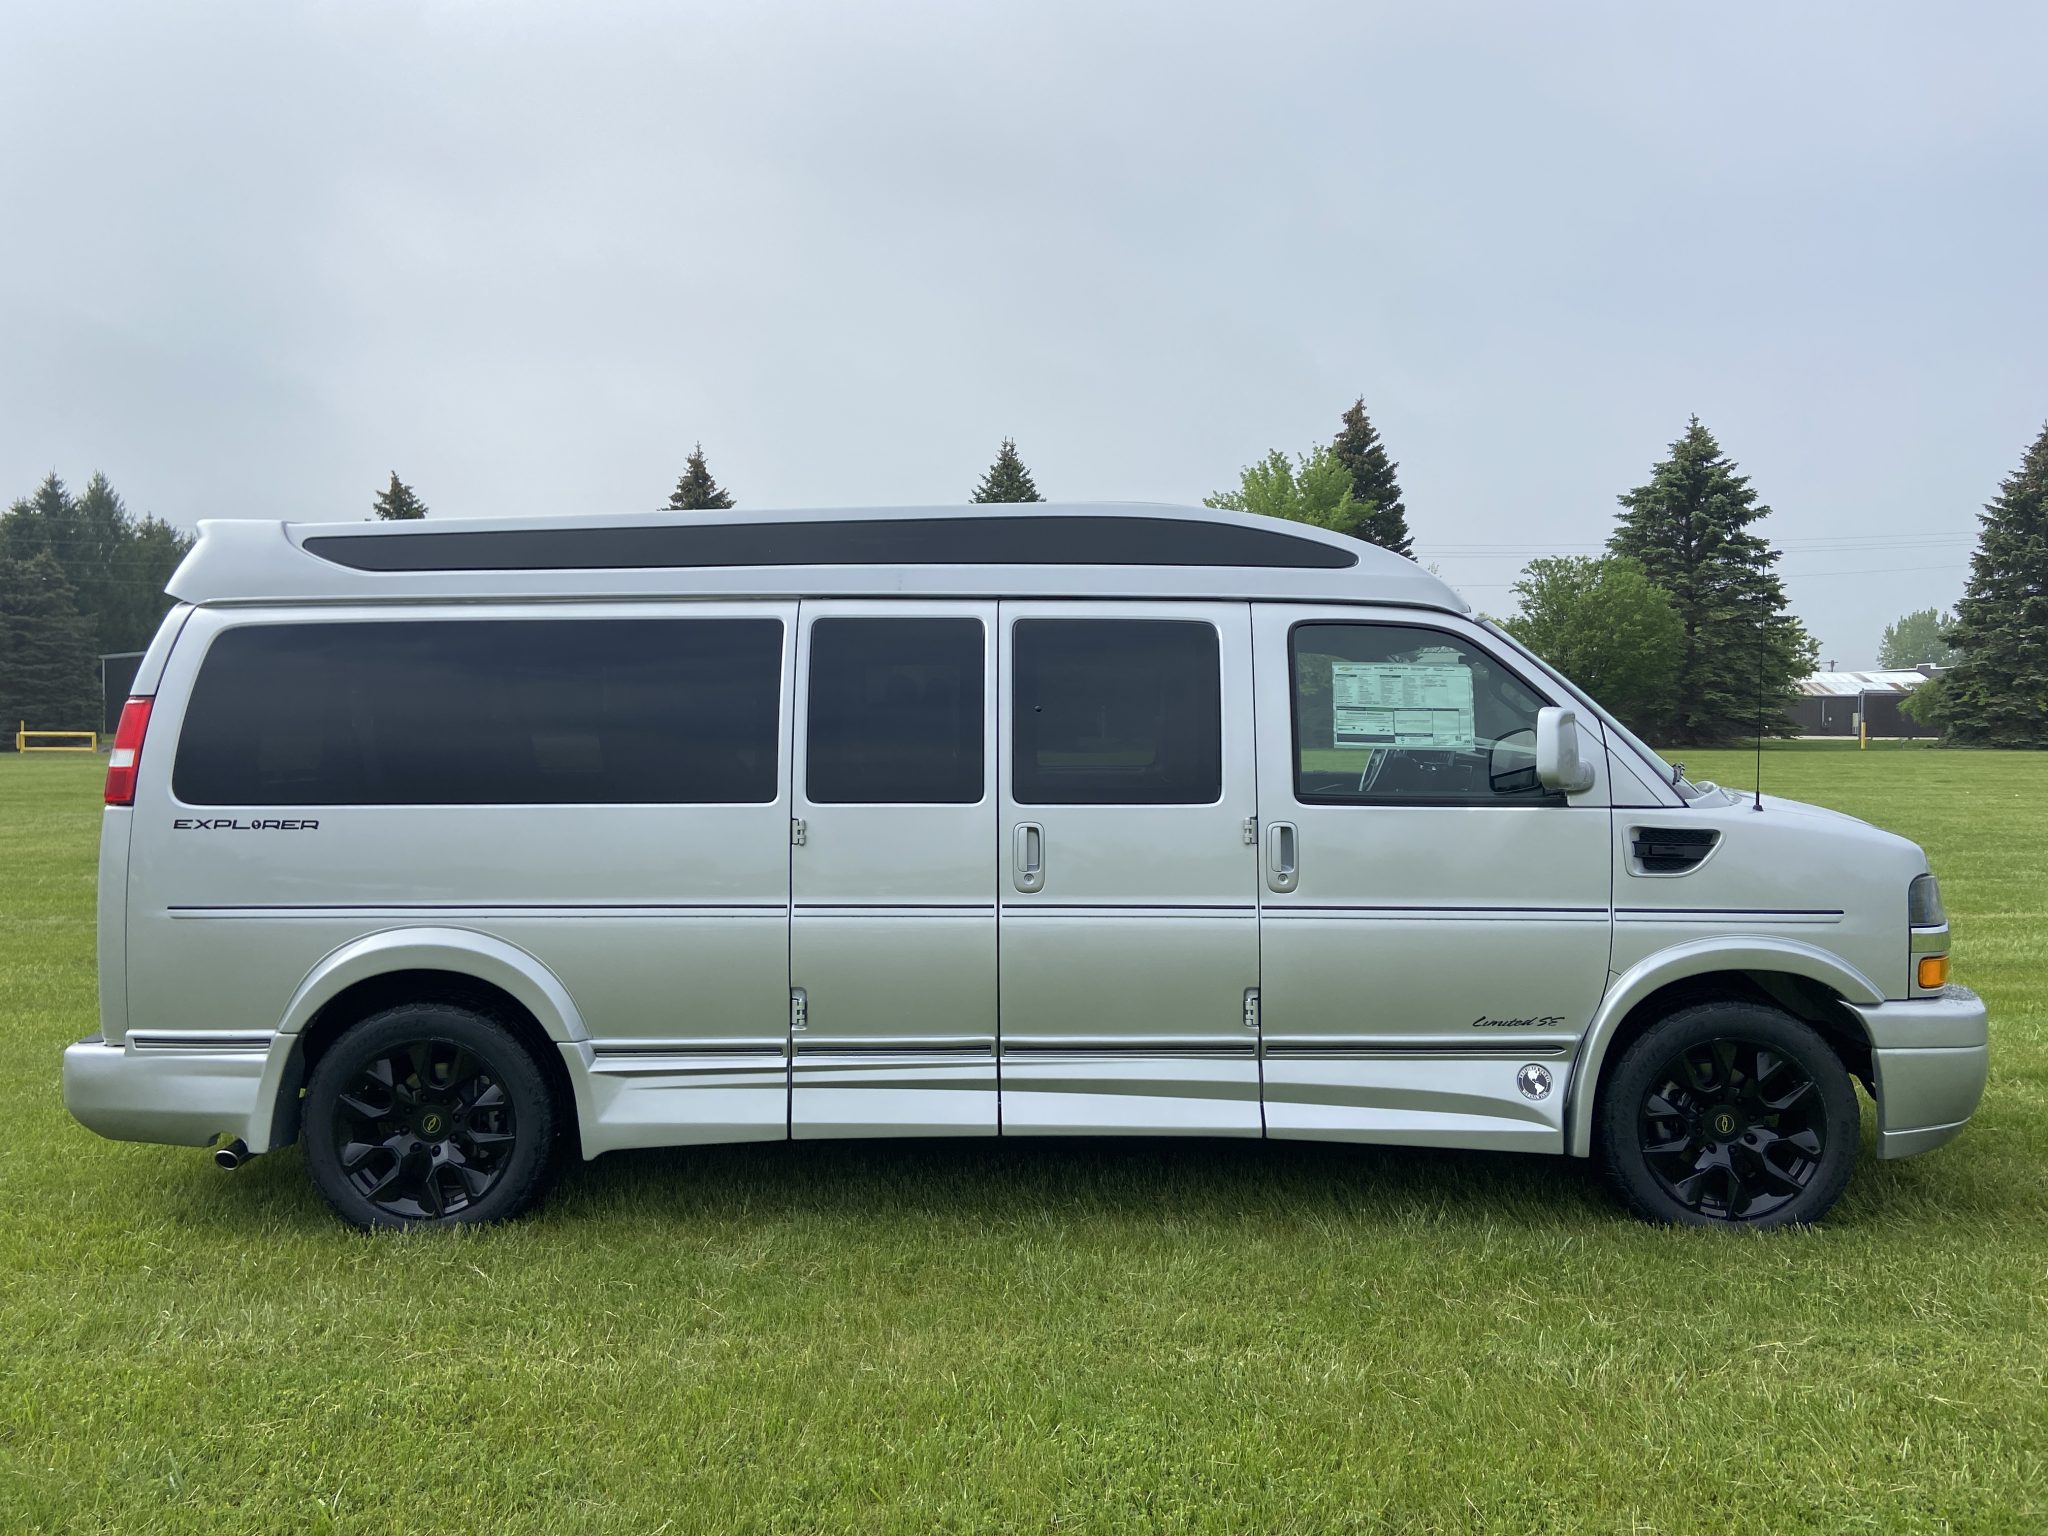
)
(1759, 727)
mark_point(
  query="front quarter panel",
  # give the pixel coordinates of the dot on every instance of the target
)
(1791, 871)
(1682, 962)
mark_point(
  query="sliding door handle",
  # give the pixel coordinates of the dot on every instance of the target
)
(1282, 872)
(1027, 856)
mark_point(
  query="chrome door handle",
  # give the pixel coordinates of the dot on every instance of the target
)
(1027, 856)
(1282, 873)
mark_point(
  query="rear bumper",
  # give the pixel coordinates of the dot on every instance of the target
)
(187, 1092)
(1931, 1057)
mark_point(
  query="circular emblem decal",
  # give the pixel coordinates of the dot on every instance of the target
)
(1534, 1081)
(430, 1122)
(1724, 1122)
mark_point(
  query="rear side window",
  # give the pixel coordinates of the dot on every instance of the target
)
(1117, 712)
(485, 712)
(896, 712)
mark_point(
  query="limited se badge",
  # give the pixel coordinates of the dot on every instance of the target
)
(1534, 1081)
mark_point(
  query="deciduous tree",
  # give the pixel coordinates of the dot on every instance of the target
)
(1314, 489)
(1916, 640)
(1607, 627)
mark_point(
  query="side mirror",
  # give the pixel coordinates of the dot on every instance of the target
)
(1559, 767)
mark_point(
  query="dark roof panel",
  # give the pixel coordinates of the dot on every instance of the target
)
(1009, 540)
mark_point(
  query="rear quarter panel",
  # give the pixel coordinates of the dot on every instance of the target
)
(661, 921)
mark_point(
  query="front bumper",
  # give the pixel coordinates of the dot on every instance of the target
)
(187, 1091)
(1931, 1056)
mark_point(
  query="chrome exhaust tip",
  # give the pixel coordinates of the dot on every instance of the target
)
(233, 1155)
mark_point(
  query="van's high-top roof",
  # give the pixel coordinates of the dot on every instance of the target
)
(1021, 550)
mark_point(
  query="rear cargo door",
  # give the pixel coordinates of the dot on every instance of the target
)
(601, 787)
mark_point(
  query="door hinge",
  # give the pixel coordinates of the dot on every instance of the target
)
(1251, 1007)
(1251, 831)
(796, 831)
(799, 1008)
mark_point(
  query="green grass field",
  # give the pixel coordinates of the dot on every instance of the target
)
(1036, 1337)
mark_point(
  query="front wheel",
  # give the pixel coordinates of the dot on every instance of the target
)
(427, 1115)
(1729, 1115)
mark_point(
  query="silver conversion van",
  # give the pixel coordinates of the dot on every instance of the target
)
(444, 847)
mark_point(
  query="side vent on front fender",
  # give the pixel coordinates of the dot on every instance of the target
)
(1670, 850)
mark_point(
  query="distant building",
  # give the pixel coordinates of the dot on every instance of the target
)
(1838, 703)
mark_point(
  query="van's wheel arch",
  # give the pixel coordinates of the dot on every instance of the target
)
(428, 1114)
(1729, 1113)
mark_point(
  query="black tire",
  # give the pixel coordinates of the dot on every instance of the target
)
(428, 1115)
(1729, 1115)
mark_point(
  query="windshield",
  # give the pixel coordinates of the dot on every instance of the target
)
(1665, 770)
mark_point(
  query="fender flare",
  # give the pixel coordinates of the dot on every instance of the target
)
(1700, 957)
(457, 951)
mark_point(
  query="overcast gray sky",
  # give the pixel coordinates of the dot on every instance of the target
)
(259, 256)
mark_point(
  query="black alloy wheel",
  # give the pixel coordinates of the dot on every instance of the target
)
(427, 1115)
(1730, 1115)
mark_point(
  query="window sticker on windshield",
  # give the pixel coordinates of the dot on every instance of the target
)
(1401, 704)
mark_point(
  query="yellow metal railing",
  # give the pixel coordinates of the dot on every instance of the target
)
(83, 741)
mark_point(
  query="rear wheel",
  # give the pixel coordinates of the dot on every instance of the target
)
(427, 1115)
(1729, 1115)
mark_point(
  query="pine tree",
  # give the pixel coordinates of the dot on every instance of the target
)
(1384, 517)
(96, 560)
(1007, 479)
(1689, 530)
(155, 550)
(116, 565)
(39, 522)
(1996, 694)
(397, 503)
(696, 491)
(46, 650)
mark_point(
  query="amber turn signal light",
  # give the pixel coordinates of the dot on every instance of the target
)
(1933, 971)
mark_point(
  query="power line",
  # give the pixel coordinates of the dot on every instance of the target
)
(1879, 570)
(1904, 544)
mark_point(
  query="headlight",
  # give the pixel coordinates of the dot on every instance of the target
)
(1923, 903)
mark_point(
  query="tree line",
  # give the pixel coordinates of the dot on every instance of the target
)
(80, 577)
(1681, 627)
(1348, 486)
(1683, 631)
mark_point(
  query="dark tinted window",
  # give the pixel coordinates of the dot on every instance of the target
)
(1388, 714)
(1117, 712)
(1022, 539)
(489, 712)
(896, 712)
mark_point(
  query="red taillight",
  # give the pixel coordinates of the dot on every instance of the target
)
(127, 753)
